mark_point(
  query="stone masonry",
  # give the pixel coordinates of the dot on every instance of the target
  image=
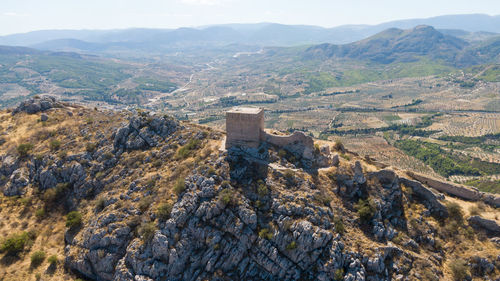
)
(244, 126)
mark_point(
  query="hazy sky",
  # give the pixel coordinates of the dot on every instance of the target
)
(27, 15)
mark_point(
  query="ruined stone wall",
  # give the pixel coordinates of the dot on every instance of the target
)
(458, 190)
(297, 138)
(453, 189)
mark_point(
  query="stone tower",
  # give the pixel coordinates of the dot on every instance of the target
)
(244, 126)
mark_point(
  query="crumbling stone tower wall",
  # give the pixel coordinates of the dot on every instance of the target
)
(244, 126)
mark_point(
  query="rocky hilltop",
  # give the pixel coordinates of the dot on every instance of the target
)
(100, 195)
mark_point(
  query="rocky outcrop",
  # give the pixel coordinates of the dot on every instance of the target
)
(36, 105)
(489, 225)
(144, 131)
(206, 235)
(95, 251)
(17, 184)
(388, 199)
(481, 266)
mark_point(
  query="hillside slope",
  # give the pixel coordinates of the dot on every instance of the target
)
(140, 196)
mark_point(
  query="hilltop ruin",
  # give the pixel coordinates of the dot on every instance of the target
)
(245, 128)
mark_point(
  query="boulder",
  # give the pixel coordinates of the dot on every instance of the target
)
(489, 225)
(18, 182)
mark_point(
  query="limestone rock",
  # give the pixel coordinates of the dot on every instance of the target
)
(359, 177)
(144, 131)
(18, 182)
(36, 105)
(489, 225)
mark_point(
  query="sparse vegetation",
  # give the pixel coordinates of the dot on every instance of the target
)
(54, 195)
(180, 186)
(291, 246)
(366, 209)
(37, 258)
(459, 269)
(90, 147)
(53, 260)
(73, 219)
(24, 149)
(100, 204)
(55, 145)
(228, 196)
(339, 225)
(16, 243)
(163, 211)
(455, 211)
(264, 233)
(339, 274)
(145, 203)
(184, 151)
(289, 174)
(40, 214)
(262, 189)
(147, 231)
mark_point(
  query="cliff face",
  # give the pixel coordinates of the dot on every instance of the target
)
(158, 200)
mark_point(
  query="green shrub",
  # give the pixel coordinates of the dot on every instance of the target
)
(90, 147)
(338, 146)
(108, 156)
(281, 153)
(366, 209)
(24, 149)
(455, 211)
(289, 174)
(291, 246)
(40, 214)
(100, 204)
(339, 225)
(147, 231)
(185, 150)
(228, 196)
(316, 148)
(73, 219)
(37, 258)
(144, 203)
(474, 211)
(345, 156)
(16, 243)
(163, 211)
(323, 198)
(262, 189)
(459, 269)
(339, 274)
(180, 186)
(55, 145)
(265, 234)
(53, 260)
(53, 195)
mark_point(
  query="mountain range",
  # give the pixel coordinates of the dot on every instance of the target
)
(397, 45)
(468, 27)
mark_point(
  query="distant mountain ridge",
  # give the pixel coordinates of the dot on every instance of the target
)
(261, 34)
(395, 45)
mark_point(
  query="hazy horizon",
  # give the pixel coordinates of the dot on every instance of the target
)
(30, 15)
